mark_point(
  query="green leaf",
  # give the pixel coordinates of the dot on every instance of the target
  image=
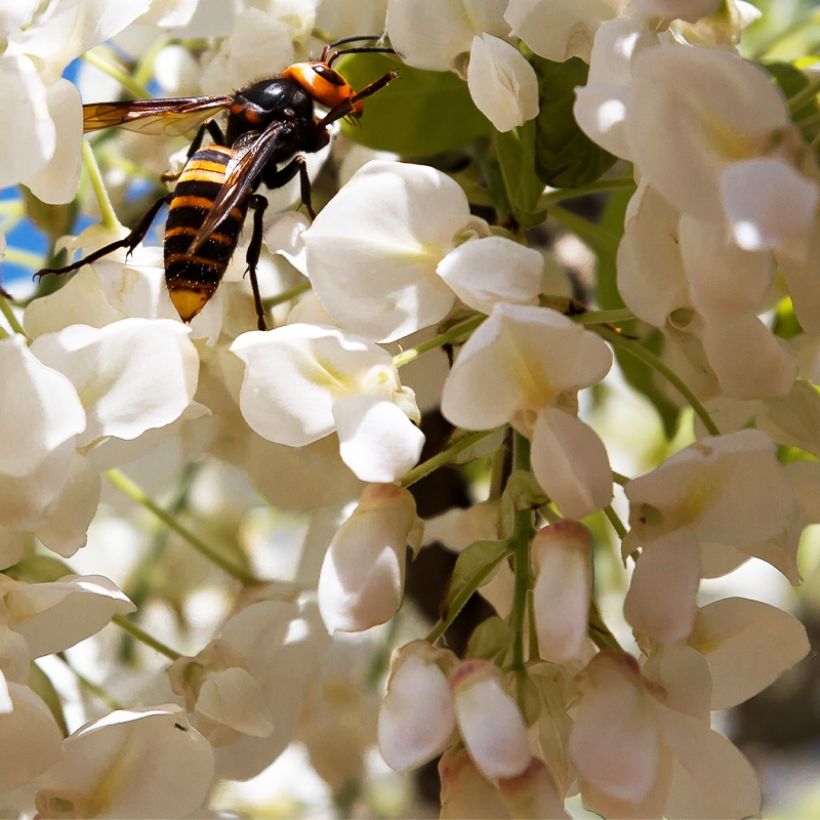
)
(418, 114)
(41, 684)
(491, 640)
(522, 492)
(516, 157)
(565, 157)
(791, 80)
(637, 374)
(474, 568)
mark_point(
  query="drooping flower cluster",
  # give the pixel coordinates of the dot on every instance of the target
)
(271, 475)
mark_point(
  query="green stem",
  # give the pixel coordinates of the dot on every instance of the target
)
(600, 240)
(640, 352)
(603, 317)
(135, 493)
(444, 457)
(107, 215)
(451, 335)
(8, 314)
(599, 632)
(802, 21)
(805, 95)
(562, 194)
(460, 601)
(144, 637)
(286, 295)
(94, 688)
(145, 67)
(25, 258)
(523, 531)
(616, 522)
(116, 73)
(623, 480)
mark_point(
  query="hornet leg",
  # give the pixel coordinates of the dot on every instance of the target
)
(259, 204)
(277, 178)
(131, 241)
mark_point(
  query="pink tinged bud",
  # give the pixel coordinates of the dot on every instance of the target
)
(362, 577)
(562, 553)
(615, 740)
(490, 723)
(416, 719)
(464, 792)
(533, 793)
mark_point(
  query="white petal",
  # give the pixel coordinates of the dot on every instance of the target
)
(600, 111)
(724, 280)
(559, 29)
(32, 141)
(410, 736)
(802, 281)
(664, 11)
(41, 413)
(571, 464)
(711, 778)
(804, 478)
(107, 764)
(660, 603)
(748, 359)
(464, 792)
(769, 204)
(562, 553)
(233, 697)
(747, 645)
(533, 793)
(493, 269)
(614, 741)
(67, 519)
(376, 439)
(705, 104)
(651, 277)
(133, 375)
(489, 721)
(362, 577)
(56, 182)
(372, 252)
(54, 616)
(30, 740)
(437, 36)
(502, 83)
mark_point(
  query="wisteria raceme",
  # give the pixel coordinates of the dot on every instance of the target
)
(518, 488)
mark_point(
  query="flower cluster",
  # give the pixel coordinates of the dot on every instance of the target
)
(274, 480)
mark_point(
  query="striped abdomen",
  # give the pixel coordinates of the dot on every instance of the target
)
(192, 279)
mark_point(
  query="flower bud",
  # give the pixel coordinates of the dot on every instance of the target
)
(362, 577)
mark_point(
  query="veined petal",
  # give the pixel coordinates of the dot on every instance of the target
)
(233, 698)
(465, 792)
(571, 463)
(376, 439)
(533, 793)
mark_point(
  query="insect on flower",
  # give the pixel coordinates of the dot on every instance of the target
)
(269, 124)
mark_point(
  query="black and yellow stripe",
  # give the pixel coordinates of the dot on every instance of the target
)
(193, 278)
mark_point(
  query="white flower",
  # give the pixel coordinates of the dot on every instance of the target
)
(247, 686)
(362, 578)
(410, 736)
(303, 381)
(662, 12)
(502, 83)
(539, 359)
(145, 762)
